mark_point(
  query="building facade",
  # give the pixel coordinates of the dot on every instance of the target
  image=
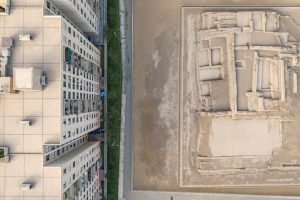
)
(49, 100)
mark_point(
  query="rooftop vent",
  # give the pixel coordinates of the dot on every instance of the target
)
(25, 37)
(44, 80)
(24, 123)
(25, 186)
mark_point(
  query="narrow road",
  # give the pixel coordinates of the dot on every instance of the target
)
(125, 173)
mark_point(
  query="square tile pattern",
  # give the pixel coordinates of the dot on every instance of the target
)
(42, 108)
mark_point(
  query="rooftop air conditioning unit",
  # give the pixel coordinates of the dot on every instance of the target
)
(6, 53)
(25, 37)
(5, 5)
(44, 80)
(24, 123)
(4, 156)
(6, 85)
(25, 186)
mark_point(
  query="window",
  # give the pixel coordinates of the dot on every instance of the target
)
(65, 170)
(65, 26)
(65, 39)
(48, 5)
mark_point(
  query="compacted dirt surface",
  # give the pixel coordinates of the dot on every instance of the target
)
(156, 96)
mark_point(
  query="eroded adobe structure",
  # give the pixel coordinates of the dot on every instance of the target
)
(239, 98)
(247, 52)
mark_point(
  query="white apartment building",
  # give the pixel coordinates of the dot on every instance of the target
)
(82, 12)
(49, 100)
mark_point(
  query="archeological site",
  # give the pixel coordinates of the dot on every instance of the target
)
(240, 94)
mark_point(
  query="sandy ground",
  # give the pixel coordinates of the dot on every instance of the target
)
(156, 96)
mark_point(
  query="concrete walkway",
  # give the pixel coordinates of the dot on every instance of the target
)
(126, 112)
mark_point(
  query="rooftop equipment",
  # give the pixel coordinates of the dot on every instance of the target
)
(4, 156)
(25, 123)
(6, 85)
(7, 43)
(44, 80)
(28, 79)
(25, 186)
(25, 37)
(4, 7)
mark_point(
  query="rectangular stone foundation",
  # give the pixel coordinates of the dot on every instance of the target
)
(234, 126)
